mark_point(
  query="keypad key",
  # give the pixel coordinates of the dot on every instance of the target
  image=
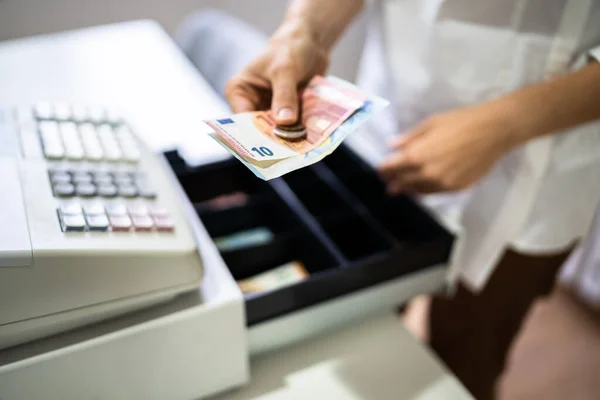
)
(131, 154)
(85, 189)
(142, 223)
(138, 210)
(146, 191)
(55, 152)
(101, 174)
(82, 179)
(58, 169)
(64, 190)
(70, 208)
(97, 222)
(60, 177)
(120, 223)
(96, 114)
(79, 113)
(103, 180)
(158, 211)
(62, 111)
(123, 175)
(116, 209)
(122, 181)
(164, 224)
(114, 116)
(44, 111)
(72, 223)
(93, 208)
(81, 175)
(91, 142)
(127, 191)
(107, 190)
(71, 141)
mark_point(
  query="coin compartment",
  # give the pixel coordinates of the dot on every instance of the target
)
(270, 213)
(318, 198)
(355, 237)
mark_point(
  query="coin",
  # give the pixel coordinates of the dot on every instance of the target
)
(290, 132)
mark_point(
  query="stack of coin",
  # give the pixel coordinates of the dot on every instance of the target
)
(290, 132)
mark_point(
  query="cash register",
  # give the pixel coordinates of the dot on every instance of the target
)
(95, 229)
(90, 226)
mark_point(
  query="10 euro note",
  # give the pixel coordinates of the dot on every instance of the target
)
(331, 110)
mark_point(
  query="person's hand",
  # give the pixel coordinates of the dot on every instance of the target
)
(291, 59)
(449, 151)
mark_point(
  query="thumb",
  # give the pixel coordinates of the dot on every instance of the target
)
(284, 105)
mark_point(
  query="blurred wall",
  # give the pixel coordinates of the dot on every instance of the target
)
(32, 17)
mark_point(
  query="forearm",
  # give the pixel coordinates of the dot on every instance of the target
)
(326, 20)
(559, 103)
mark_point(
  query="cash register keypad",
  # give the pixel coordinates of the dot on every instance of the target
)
(94, 171)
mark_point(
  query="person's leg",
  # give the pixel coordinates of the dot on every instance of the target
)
(472, 333)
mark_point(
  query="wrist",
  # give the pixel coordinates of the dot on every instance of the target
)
(513, 118)
(297, 29)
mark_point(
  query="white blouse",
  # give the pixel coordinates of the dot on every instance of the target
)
(427, 56)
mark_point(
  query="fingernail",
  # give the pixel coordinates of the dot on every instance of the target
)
(285, 113)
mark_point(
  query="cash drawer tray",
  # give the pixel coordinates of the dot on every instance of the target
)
(334, 217)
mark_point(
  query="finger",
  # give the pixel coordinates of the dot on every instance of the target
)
(285, 96)
(401, 182)
(403, 139)
(241, 96)
(395, 164)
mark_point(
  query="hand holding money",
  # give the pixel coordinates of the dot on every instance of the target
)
(331, 110)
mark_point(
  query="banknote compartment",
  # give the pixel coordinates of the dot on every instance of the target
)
(297, 245)
(221, 178)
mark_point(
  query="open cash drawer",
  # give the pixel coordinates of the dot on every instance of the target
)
(334, 217)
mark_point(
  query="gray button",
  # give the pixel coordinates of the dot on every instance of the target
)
(122, 175)
(94, 208)
(81, 175)
(107, 190)
(60, 177)
(85, 189)
(103, 180)
(72, 223)
(56, 169)
(70, 208)
(97, 222)
(64, 190)
(127, 191)
(124, 181)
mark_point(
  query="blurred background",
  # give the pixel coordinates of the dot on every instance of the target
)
(20, 18)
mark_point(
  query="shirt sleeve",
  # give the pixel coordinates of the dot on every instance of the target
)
(595, 53)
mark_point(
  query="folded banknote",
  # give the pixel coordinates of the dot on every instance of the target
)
(331, 110)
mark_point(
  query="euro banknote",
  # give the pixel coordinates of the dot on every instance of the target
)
(340, 99)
